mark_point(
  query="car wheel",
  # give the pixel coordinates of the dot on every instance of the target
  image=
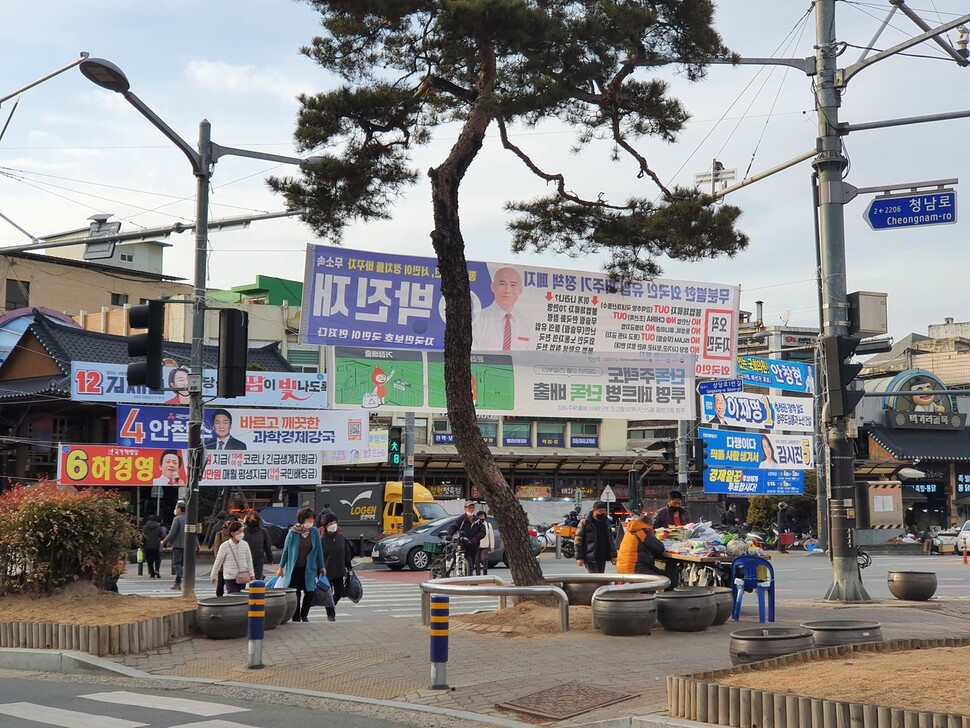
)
(395, 567)
(418, 559)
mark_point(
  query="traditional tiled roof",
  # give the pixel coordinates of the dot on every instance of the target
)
(936, 445)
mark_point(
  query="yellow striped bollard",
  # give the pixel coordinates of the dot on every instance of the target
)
(439, 642)
(257, 622)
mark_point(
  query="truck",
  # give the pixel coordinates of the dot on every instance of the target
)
(367, 512)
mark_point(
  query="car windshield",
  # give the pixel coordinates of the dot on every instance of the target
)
(427, 511)
(432, 525)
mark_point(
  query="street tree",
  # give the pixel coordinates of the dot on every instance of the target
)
(410, 67)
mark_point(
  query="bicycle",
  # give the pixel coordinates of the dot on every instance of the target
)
(449, 562)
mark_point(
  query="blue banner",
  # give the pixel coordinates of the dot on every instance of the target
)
(734, 481)
(729, 449)
(761, 411)
(791, 376)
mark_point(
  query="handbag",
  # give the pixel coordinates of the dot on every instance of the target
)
(354, 590)
(242, 577)
(323, 597)
(323, 583)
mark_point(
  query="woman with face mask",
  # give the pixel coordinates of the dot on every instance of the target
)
(338, 560)
(302, 562)
(233, 560)
(259, 542)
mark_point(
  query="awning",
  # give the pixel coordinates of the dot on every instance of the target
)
(936, 445)
(911, 496)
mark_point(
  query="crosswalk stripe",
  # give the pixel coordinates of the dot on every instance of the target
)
(182, 705)
(213, 724)
(64, 718)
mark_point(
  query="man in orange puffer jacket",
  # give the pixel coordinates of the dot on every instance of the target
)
(639, 548)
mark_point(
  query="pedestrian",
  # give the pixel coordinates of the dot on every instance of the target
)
(338, 560)
(674, 514)
(260, 545)
(485, 546)
(220, 538)
(151, 534)
(215, 525)
(593, 543)
(926, 538)
(468, 531)
(730, 518)
(324, 512)
(639, 549)
(784, 526)
(234, 560)
(302, 561)
(176, 541)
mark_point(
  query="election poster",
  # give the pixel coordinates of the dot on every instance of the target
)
(374, 452)
(113, 466)
(737, 482)
(762, 411)
(746, 463)
(243, 429)
(361, 298)
(108, 383)
(790, 376)
(534, 384)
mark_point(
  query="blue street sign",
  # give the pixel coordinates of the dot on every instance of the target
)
(916, 210)
(720, 386)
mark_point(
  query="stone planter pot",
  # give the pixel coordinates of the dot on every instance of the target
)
(223, 618)
(624, 615)
(751, 645)
(580, 594)
(686, 611)
(844, 632)
(276, 607)
(722, 598)
(912, 586)
(290, 595)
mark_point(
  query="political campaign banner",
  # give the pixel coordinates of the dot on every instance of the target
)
(374, 452)
(751, 450)
(529, 383)
(112, 466)
(762, 411)
(243, 429)
(738, 482)
(100, 382)
(362, 298)
(791, 376)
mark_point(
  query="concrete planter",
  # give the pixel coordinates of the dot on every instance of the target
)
(753, 645)
(912, 586)
(686, 611)
(844, 632)
(722, 598)
(224, 618)
(625, 615)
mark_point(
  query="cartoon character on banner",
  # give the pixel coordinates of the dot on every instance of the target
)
(378, 396)
(925, 402)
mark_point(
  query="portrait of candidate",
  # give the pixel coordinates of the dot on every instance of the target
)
(178, 381)
(221, 427)
(170, 469)
(720, 409)
(500, 327)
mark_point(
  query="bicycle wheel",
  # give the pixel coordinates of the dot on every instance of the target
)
(461, 565)
(438, 568)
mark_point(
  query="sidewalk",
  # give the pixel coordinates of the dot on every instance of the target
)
(388, 659)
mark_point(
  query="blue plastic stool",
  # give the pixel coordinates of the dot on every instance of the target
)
(753, 573)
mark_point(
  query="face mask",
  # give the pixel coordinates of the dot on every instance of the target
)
(470, 514)
(308, 524)
(237, 535)
(252, 524)
(332, 528)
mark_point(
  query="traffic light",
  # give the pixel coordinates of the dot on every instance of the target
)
(700, 455)
(841, 398)
(394, 454)
(233, 352)
(670, 457)
(150, 316)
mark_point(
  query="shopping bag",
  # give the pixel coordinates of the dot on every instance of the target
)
(275, 582)
(355, 590)
(323, 582)
(323, 597)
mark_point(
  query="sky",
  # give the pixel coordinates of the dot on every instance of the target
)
(72, 149)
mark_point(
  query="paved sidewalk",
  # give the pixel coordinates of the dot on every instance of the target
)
(389, 659)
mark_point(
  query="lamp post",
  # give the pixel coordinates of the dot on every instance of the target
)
(109, 76)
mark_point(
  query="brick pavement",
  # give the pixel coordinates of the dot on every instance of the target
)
(389, 658)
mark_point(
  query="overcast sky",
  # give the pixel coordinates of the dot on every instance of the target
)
(72, 149)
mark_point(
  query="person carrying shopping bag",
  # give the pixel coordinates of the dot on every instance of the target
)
(234, 561)
(338, 560)
(302, 561)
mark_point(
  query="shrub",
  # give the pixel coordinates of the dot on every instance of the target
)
(49, 537)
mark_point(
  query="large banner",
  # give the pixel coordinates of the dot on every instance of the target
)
(734, 481)
(243, 429)
(745, 463)
(100, 382)
(374, 452)
(760, 411)
(111, 465)
(791, 376)
(378, 299)
(531, 384)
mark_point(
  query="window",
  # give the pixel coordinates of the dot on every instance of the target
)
(489, 432)
(119, 299)
(551, 434)
(127, 257)
(304, 360)
(517, 434)
(18, 294)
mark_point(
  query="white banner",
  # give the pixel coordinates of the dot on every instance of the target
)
(761, 411)
(262, 468)
(375, 452)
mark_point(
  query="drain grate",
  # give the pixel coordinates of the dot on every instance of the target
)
(565, 701)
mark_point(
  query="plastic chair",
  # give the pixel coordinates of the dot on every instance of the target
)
(753, 573)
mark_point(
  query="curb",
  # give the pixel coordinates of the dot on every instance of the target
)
(80, 663)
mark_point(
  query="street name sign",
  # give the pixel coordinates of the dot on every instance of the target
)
(919, 209)
(720, 386)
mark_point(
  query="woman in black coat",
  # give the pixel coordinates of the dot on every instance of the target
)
(258, 539)
(338, 557)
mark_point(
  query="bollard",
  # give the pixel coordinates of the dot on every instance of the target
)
(965, 551)
(140, 558)
(558, 546)
(257, 621)
(439, 642)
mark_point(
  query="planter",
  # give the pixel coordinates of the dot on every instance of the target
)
(580, 594)
(290, 595)
(223, 618)
(912, 586)
(276, 605)
(722, 598)
(751, 645)
(681, 611)
(844, 632)
(625, 615)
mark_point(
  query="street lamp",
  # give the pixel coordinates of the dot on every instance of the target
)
(107, 75)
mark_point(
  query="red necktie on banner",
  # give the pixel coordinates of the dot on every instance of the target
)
(507, 334)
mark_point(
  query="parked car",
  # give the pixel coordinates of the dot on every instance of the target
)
(963, 538)
(407, 549)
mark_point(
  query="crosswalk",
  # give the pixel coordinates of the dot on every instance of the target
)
(138, 710)
(383, 598)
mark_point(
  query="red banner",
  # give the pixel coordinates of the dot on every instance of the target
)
(113, 465)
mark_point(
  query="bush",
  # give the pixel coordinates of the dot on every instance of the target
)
(49, 537)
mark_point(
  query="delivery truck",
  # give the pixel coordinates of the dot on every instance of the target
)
(367, 512)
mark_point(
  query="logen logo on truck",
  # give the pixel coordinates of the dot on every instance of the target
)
(365, 512)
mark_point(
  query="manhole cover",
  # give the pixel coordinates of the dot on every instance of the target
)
(565, 701)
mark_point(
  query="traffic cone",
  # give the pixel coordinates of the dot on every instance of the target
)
(965, 552)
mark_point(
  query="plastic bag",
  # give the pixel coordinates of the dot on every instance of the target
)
(323, 582)
(355, 590)
(323, 597)
(275, 582)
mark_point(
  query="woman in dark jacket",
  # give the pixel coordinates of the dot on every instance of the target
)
(257, 537)
(338, 560)
(152, 545)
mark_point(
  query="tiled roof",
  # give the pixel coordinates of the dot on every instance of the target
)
(58, 387)
(942, 445)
